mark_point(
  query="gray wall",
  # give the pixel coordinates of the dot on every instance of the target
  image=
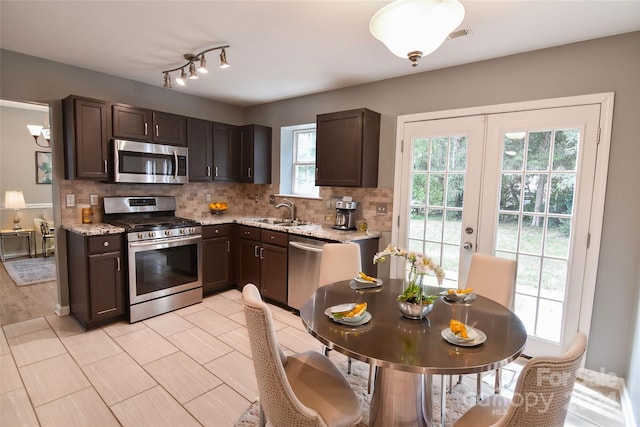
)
(605, 65)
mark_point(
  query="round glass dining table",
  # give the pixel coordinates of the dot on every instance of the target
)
(409, 352)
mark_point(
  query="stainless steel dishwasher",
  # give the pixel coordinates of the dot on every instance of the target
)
(304, 266)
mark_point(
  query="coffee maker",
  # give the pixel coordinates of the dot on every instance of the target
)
(345, 215)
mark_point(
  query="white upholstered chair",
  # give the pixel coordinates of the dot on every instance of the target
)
(341, 261)
(494, 278)
(541, 396)
(304, 389)
(44, 235)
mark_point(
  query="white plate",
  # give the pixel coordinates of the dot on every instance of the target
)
(352, 321)
(376, 282)
(342, 307)
(458, 297)
(476, 337)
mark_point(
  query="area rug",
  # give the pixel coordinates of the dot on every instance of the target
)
(31, 271)
(457, 402)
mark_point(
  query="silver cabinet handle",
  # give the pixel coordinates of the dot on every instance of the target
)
(105, 244)
(145, 129)
(261, 253)
(106, 170)
(249, 172)
(255, 251)
(216, 171)
(118, 260)
(208, 170)
(157, 130)
(228, 246)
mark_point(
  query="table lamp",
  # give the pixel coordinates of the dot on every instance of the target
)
(14, 200)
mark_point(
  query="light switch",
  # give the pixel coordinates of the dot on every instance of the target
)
(207, 197)
(381, 209)
(93, 200)
(71, 200)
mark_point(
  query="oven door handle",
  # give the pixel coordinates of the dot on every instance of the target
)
(159, 241)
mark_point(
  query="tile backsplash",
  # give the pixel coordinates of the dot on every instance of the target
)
(242, 199)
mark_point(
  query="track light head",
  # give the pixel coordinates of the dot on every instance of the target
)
(193, 75)
(182, 79)
(167, 80)
(203, 65)
(223, 59)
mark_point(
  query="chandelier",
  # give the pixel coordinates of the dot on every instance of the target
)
(192, 59)
(37, 130)
(415, 28)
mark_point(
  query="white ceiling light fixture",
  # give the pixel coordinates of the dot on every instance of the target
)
(36, 131)
(415, 28)
(193, 72)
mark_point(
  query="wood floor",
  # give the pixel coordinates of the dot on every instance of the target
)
(18, 303)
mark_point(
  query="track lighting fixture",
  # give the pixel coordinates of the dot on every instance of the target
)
(191, 65)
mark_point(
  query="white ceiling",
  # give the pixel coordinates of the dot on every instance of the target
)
(283, 49)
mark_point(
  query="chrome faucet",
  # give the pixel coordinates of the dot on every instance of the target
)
(286, 203)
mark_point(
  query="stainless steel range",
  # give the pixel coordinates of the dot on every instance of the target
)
(164, 254)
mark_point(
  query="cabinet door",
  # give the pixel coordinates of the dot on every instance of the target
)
(273, 272)
(255, 156)
(86, 145)
(131, 122)
(169, 129)
(225, 152)
(106, 297)
(248, 262)
(200, 143)
(347, 148)
(338, 149)
(216, 263)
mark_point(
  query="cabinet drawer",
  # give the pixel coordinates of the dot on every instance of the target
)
(274, 237)
(222, 230)
(102, 244)
(251, 233)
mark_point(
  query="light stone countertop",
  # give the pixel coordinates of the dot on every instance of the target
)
(319, 231)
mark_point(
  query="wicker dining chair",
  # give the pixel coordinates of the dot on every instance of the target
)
(304, 389)
(541, 396)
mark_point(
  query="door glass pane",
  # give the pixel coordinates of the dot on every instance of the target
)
(539, 198)
(437, 193)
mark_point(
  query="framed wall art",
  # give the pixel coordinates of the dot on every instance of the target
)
(44, 170)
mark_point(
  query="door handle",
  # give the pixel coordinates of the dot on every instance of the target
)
(261, 253)
(467, 245)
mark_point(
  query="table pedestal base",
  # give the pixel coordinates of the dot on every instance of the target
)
(401, 399)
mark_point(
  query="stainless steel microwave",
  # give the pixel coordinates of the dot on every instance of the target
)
(144, 162)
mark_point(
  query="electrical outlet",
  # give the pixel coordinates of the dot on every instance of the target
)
(381, 209)
(71, 200)
(272, 199)
(207, 197)
(93, 200)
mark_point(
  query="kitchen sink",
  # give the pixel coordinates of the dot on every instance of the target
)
(280, 222)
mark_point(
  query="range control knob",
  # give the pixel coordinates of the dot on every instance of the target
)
(167, 232)
(182, 231)
(140, 235)
(152, 234)
(192, 230)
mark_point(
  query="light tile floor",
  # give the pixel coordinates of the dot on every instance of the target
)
(189, 367)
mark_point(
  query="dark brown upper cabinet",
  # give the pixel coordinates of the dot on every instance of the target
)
(141, 124)
(213, 151)
(255, 154)
(86, 125)
(347, 148)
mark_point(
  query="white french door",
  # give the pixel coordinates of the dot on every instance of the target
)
(519, 185)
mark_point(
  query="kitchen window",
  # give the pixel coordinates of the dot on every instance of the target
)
(298, 161)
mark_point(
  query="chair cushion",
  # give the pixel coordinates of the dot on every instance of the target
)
(486, 413)
(319, 384)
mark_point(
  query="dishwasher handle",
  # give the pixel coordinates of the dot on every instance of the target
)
(306, 247)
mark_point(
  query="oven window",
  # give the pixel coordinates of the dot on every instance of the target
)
(160, 269)
(146, 163)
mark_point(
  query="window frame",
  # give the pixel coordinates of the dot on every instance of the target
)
(295, 163)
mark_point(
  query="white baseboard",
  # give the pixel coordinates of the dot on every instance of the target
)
(62, 310)
(617, 383)
(627, 407)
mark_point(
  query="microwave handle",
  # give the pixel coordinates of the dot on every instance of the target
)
(175, 158)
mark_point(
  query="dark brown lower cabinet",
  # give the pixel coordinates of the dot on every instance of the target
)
(262, 260)
(217, 258)
(96, 278)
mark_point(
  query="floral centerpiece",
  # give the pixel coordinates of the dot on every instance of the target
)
(420, 265)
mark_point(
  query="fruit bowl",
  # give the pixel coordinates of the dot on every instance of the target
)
(218, 208)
